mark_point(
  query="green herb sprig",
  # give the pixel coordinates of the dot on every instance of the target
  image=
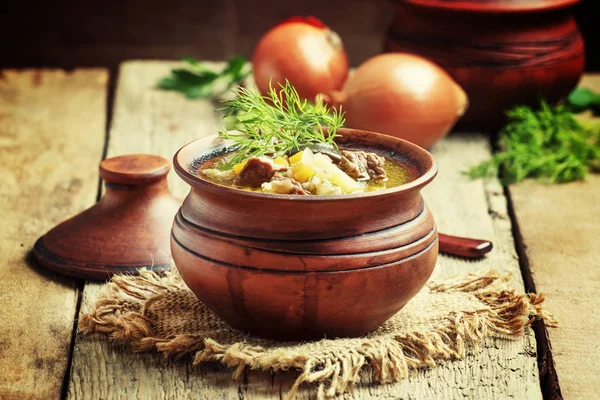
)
(550, 144)
(278, 123)
(583, 99)
(199, 80)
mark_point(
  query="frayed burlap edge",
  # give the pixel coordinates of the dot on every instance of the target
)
(507, 314)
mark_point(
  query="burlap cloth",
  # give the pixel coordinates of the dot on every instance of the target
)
(152, 312)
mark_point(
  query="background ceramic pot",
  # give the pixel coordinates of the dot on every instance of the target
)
(319, 265)
(502, 53)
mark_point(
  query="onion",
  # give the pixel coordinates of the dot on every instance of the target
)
(402, 95)
(305, 52)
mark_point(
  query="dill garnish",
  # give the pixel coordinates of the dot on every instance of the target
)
(278, 123)
(550, 144)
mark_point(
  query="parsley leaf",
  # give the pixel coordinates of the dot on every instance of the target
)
(197, 80)
(582, 99)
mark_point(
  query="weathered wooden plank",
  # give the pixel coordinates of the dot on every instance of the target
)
(560, 225)
(148, 120)
(52, 127)
(500, 370)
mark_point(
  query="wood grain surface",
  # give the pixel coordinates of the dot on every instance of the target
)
(52, 128)
(560, 225)
(150, 121)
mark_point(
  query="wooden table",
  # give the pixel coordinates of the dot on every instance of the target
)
(52, 137)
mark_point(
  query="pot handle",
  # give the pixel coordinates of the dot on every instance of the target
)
(464, 247)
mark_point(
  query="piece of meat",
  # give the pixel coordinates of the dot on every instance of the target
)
(283, 185)
(361, 165)
(375, 167)
(256, 172)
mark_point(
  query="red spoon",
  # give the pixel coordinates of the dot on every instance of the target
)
(464, 247)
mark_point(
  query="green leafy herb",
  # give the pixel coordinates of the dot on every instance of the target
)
(278, 123)
(549, 144)
(198, 80)
(582, 99)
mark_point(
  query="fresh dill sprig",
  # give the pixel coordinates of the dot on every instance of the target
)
(550, 144)
(278, 123)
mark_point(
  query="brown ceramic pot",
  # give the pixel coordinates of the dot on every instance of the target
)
(304, 267)
(501, 52)
(270, 216)
(288, 305)
(249, 253)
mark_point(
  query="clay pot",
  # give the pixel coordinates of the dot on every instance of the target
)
(305, 305)
(270, 216)
(304, 267)
(251, 253)
(502, 53)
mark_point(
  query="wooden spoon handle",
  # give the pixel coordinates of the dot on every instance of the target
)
(464, 247)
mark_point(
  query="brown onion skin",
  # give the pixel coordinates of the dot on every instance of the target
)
(402, 95)
(279, 55)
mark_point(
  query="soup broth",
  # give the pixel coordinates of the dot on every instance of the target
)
(308, 173)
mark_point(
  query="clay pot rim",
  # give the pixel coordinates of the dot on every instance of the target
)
(490, 7)
(259, 243)
(332, 262)
(298, 272)
(182, 223)
(196, 181)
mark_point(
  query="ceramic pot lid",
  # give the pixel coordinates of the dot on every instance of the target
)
(493, 6)
(128, 229)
